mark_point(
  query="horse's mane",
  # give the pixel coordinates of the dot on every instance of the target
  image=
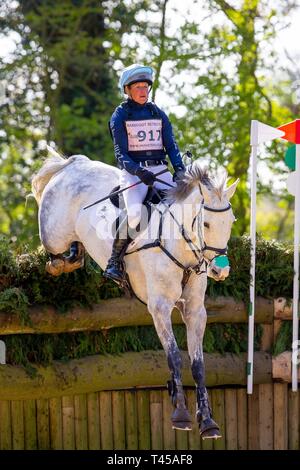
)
(196, 173)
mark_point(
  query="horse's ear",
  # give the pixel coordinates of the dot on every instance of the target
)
(231, 190)
(205, 192)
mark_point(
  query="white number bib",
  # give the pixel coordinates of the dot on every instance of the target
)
(144, 135)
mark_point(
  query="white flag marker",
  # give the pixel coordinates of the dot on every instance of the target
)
(260, 133)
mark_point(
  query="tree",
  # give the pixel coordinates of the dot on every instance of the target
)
(62, 83)
(231, 91)
(61, 87)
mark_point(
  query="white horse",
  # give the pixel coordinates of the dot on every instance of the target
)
(203, 215)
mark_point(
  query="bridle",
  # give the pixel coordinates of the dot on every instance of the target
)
(197, 251)
(204, 247)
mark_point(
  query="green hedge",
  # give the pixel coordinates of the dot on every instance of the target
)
(43, 349)
(24, 282)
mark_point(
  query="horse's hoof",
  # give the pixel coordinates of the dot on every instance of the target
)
(209, 429)
(55, 267)
(211, 434)
(181, 419)
(182, 426)
(70, 267)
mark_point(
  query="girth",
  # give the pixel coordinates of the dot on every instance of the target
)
(187, 271)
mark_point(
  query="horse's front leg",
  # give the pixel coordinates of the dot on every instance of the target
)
(161, 308)
(194, 316)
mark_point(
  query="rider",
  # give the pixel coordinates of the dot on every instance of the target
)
(142, 136)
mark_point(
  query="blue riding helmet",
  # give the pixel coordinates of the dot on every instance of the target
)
(135, 73)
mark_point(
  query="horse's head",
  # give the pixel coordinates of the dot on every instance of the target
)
(207, 210)
(215, 226)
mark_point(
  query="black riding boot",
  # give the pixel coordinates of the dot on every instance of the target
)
(115, 268)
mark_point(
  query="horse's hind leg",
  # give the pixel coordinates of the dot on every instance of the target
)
(75, 259)
(160, 310)
(194, 316)
(57, 233)
(59, 263)
(55, 266)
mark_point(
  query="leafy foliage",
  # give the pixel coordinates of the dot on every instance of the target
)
(274, 277)
(61, 85)
(284, 338)
(274, 270)
(43, 349)
(24, 282)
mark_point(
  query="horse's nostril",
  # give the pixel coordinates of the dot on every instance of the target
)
(215, 272)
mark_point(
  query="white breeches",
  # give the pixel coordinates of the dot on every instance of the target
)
(134, 197)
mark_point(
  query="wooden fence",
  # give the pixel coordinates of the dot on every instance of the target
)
(118, 402)
(140, 419)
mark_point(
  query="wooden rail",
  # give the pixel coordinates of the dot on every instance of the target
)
(100, 402)
(104, 372)
(120, 312)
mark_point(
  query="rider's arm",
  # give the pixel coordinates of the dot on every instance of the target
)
(169, 142)
(119, 135)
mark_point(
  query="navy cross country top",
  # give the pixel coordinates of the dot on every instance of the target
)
(142, 132)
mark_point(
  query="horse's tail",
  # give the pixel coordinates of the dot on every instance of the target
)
(51, 166)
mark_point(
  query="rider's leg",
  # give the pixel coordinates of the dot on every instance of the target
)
(114, 269)
(133, 199)
(164, 177)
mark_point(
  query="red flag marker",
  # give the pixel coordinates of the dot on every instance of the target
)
(292, 131)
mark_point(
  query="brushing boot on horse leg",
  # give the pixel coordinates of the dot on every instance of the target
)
(208, 428)
(60, 264)
(75, 259)
(115, 267)
(181, 418)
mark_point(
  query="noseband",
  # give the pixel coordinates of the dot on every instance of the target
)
(205, 247)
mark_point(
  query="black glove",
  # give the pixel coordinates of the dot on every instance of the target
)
(179, 173)
(145, 176)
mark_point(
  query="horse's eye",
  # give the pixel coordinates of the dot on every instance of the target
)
(206, 225)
